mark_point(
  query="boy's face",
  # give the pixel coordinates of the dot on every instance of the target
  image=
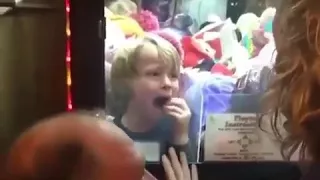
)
(156, 79)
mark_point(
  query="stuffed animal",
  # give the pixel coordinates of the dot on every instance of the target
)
(174, 32)
(114, 38)
(160, 8)
(211, 35)
(123, 7)
(172, 39)
(266, 19)
(210, 27)
(128, 25)
(147, 20)
(223, 69)
(196, 50)
(210, 32)
(247, 23)
(179, 27)
(259, 40)
(181, 22)
(232, 50)
(213, 40)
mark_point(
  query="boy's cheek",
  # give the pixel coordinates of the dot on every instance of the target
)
(179, 91)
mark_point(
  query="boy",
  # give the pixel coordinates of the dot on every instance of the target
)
(145, 82)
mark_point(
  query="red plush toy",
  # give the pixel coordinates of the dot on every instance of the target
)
(221, 69)
(195, 50)
(216, 45)
(210, 34)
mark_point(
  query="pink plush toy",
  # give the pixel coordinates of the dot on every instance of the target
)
(147, 20)
(172, 40)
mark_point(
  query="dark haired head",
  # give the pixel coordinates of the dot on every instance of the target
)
(74, 147)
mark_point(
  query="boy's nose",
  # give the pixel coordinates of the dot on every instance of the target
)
(167, 83)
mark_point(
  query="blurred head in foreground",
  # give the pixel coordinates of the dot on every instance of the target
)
(74, 147)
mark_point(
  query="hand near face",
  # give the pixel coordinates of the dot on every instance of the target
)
(178, 170)
(178, 108)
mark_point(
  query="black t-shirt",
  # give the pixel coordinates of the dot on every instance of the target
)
(155, 142)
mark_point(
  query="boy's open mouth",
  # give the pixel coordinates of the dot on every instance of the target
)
(159, 102)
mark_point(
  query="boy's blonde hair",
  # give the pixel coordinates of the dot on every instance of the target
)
(123, 69)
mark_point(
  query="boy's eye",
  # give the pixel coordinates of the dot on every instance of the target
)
(153, 73)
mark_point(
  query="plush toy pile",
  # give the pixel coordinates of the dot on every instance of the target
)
(223, 61)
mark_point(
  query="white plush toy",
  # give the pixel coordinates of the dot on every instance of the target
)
(247, 23)
(114, 37)
(266, 19)
(233, 50)
(267, 15)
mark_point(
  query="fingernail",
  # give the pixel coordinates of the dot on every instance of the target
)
(171, 150)
(182, 154)
(163, 157)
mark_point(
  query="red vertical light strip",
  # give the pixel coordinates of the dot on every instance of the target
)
(68, 55)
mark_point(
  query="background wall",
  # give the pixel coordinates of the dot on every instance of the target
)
(199, 10)
(32, 69)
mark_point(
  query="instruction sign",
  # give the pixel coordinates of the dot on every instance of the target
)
(238, 137)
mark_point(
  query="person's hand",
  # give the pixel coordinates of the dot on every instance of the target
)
(178, 108)
(178, 170)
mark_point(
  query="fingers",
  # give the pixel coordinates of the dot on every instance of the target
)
(173, 109)
(176, 115)
(185, 166)
(175, 163)
(179, 102)
(176, 169)
(177, 108)
(168, 168)
(194, 172)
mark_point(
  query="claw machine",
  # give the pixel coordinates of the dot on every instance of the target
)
(90, 38)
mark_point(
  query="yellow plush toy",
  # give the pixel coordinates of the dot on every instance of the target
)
(123, 7)
(129, 26)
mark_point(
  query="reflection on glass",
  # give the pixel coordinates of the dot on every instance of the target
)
(169, 71)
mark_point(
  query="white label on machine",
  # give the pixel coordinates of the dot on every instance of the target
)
(238, 137)
(151, 150)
